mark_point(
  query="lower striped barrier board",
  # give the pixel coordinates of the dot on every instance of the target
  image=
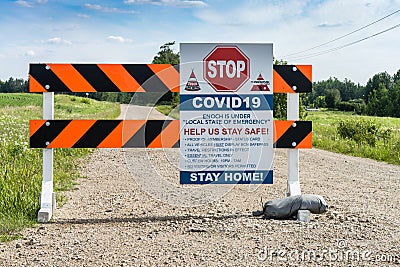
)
(292, 134)
(141, 134)
(104, 133)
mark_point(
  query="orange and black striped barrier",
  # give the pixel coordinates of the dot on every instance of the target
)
(292, 78)
(141, 133)
(103, 78)
(142, 78)
(292, 134)
(104, 133)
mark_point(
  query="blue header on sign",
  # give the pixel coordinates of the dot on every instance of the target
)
(227, 102)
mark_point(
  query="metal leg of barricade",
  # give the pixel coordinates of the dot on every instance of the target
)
(47, 196)
(293, 182)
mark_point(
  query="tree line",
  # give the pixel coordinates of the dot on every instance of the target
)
(379, 97)
(13, 85)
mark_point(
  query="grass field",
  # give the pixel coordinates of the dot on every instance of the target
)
(325, 136)
(21, 166)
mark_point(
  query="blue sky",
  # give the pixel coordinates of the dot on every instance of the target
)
(131, 31)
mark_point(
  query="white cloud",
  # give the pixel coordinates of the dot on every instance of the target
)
(119, 39)
(57, 40)
(136, 1)
(184, 3)
(29, 53)
(176, 3)
(94, 7)
(67, 27)
(249, 13)
(108, 9)
(23, 3)
(330, 25)
(84, 16)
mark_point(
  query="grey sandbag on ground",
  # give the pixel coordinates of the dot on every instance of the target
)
(287, 208)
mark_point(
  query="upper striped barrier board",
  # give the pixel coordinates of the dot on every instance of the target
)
(292, 78)
(103, 78)
(88, 78)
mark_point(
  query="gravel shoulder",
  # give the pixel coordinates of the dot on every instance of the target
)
(124, 214)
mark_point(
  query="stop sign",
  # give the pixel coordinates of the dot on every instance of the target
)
(226, 68)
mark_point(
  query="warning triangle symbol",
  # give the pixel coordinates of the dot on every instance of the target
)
(192, 84)
(260, 84)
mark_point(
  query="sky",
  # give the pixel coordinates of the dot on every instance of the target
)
(131, 31)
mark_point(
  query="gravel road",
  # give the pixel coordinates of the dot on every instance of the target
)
(130, 210)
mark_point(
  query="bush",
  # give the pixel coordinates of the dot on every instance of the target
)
(347, 106)
(85, 100)
(363, 131)
(357, 105)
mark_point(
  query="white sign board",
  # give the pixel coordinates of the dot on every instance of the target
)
(226, 104)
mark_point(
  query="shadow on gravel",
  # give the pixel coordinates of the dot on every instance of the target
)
(151, 219)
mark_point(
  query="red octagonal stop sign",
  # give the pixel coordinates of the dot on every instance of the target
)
(226, 68)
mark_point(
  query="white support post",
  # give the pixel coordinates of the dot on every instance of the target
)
(293, 158)
(47, 197)
(293, 154)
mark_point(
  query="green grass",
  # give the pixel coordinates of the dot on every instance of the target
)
(325, 136)
(20, 99)
(21, 166)
(68, 107)
(168, 110)
(7, 238)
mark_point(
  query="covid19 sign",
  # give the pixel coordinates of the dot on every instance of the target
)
(226, 114)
